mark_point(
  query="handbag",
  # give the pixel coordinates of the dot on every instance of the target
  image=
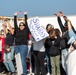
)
(7, 48)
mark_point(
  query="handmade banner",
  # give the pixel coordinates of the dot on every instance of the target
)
(37, 31)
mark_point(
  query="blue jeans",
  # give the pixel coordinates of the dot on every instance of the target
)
(48, 61)
(12, 52)
(64, 57)
(23, 50)
(8, 61)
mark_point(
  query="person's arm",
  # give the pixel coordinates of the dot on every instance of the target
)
(26, 24)
(5, 26)
(59, 22)
(71, 48)
(25, 19)
(66, 20)
(10, 28)
(15, 21)
(70, 30)
(69, 26)
(62, 14)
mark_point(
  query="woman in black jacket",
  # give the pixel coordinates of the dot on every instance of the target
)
(53, 43)
(65, 37)
(49, 27)
(9, 55)
(21, 40)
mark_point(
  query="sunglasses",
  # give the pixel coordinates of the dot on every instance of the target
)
(21, 25)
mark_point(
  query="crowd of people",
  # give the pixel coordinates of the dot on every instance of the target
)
(45, 57)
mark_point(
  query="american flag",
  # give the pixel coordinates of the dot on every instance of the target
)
(20, 12)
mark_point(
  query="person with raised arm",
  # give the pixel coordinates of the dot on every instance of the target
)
(8, 55)
(71, 59)
(21, 40)
(65, 36)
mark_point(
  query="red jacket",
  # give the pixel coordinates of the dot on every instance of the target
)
(2, 49)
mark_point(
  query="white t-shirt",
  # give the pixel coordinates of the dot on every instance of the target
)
(38, 46)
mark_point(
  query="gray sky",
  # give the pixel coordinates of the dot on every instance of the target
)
(37, 7)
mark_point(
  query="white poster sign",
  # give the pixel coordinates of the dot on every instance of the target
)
(36, 30)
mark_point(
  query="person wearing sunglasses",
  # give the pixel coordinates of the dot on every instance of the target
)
(9, 56)
(21, 40)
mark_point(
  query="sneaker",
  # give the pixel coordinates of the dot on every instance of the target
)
(48, 73)
(28, 72)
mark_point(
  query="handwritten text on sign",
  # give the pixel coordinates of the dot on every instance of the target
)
(36, 30)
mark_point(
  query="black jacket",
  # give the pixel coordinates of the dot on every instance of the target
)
(65, 35)
(21, 36)
(54, 46)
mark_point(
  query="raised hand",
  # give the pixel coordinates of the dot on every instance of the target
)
(16, 13)
(61, 13)
(56, 14)
(25, 13)
(4, 24)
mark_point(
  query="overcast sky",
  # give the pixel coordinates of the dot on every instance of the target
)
(37, 7)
